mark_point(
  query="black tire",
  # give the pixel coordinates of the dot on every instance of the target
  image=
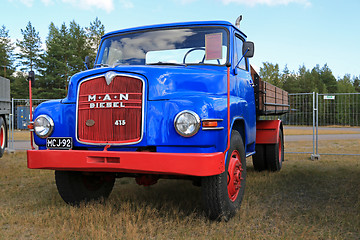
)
(275, 154)
(77, 187)
(3, 136)
(221, 198)
(259, 158)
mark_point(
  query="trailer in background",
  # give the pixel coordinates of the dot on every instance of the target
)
(5, 106)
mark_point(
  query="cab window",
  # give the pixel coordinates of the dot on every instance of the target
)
(238, 53)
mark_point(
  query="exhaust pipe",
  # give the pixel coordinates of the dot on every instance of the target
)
(237, 22)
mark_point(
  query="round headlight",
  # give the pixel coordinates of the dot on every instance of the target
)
(43, 126)
(187, 123)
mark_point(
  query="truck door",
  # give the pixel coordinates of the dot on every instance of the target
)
(244, 89)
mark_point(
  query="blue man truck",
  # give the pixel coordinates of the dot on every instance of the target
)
(174, 100)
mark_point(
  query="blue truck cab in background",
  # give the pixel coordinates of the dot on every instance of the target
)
(166, 101)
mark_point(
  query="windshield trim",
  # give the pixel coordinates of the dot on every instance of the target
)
(169, 27)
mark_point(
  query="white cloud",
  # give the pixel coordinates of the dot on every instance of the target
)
(186, 1)
(126, 4)
(27, 3)
(268, 2)
(47, 2)
(106, 5)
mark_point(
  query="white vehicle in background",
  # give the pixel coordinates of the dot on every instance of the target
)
(5, 106)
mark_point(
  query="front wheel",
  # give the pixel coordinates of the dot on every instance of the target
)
(223, 193)
(3, 136)
(77, 187)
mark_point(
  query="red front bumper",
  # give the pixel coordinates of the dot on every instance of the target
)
(193, 164)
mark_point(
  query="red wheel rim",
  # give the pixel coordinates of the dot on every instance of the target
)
(234, 175)
(2, 137)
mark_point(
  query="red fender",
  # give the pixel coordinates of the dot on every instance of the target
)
(267, 131)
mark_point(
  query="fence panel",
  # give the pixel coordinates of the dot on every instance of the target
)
(340, 109)
(21, 111)
(19, 119)
(301, 110)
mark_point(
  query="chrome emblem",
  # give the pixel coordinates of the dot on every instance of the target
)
(109, 76)
(90, 123)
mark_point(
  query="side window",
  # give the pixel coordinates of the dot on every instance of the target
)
(238, 53)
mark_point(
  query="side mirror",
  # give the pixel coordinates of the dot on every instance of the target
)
(248, 49)
(87, 62)
(31, 78)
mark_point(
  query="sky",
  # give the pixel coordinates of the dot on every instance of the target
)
(287, 32)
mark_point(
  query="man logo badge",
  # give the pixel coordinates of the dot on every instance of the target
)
(109, 76)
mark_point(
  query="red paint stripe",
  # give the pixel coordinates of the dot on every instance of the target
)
(228, 109)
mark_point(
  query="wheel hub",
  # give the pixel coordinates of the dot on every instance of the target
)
(234, 175)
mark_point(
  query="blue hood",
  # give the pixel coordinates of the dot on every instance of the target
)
(164, 82)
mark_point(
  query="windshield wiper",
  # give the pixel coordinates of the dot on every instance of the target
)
(101, 65)
(167, 63)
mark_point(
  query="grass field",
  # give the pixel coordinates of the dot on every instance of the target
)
(305, 200)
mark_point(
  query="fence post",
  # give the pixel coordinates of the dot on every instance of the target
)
(12, 124)
(315, 155)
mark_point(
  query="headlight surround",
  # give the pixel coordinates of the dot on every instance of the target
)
(187, 123)
(43, 126)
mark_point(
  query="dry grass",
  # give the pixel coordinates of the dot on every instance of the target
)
(326, 146)
(22, 135)
(305, 200)
(288, 131)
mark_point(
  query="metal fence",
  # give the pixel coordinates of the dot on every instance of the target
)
(332, 109)
(20, 116)
(341, 109)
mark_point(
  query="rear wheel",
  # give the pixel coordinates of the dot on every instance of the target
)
(259, 159)
(3, 136)
(77, 187)
(223, 193)
(275, 154)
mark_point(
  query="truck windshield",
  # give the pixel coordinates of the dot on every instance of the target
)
(177, 46)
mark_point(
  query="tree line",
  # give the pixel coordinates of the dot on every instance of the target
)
(54, 62)
(318, 79)
(63, 52)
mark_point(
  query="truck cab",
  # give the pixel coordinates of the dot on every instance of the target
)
(165, 101)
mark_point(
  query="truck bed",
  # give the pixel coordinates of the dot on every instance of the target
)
(269, 99)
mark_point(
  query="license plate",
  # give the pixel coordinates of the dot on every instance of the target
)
(59, 142)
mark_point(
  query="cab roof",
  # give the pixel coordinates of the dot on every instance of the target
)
(179, 24)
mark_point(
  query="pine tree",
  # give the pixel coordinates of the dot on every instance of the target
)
(345, 85)
(30, 49)
(55, 71)
(316, 77)
(328, 79)
(290, 81)
(271, 74)
(356, 83)
(65, 54)
(94, 33)
(78, 46)
(6, 53)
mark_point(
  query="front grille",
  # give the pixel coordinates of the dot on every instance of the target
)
(110, 112)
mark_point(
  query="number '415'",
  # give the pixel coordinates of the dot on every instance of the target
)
(120, 122)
